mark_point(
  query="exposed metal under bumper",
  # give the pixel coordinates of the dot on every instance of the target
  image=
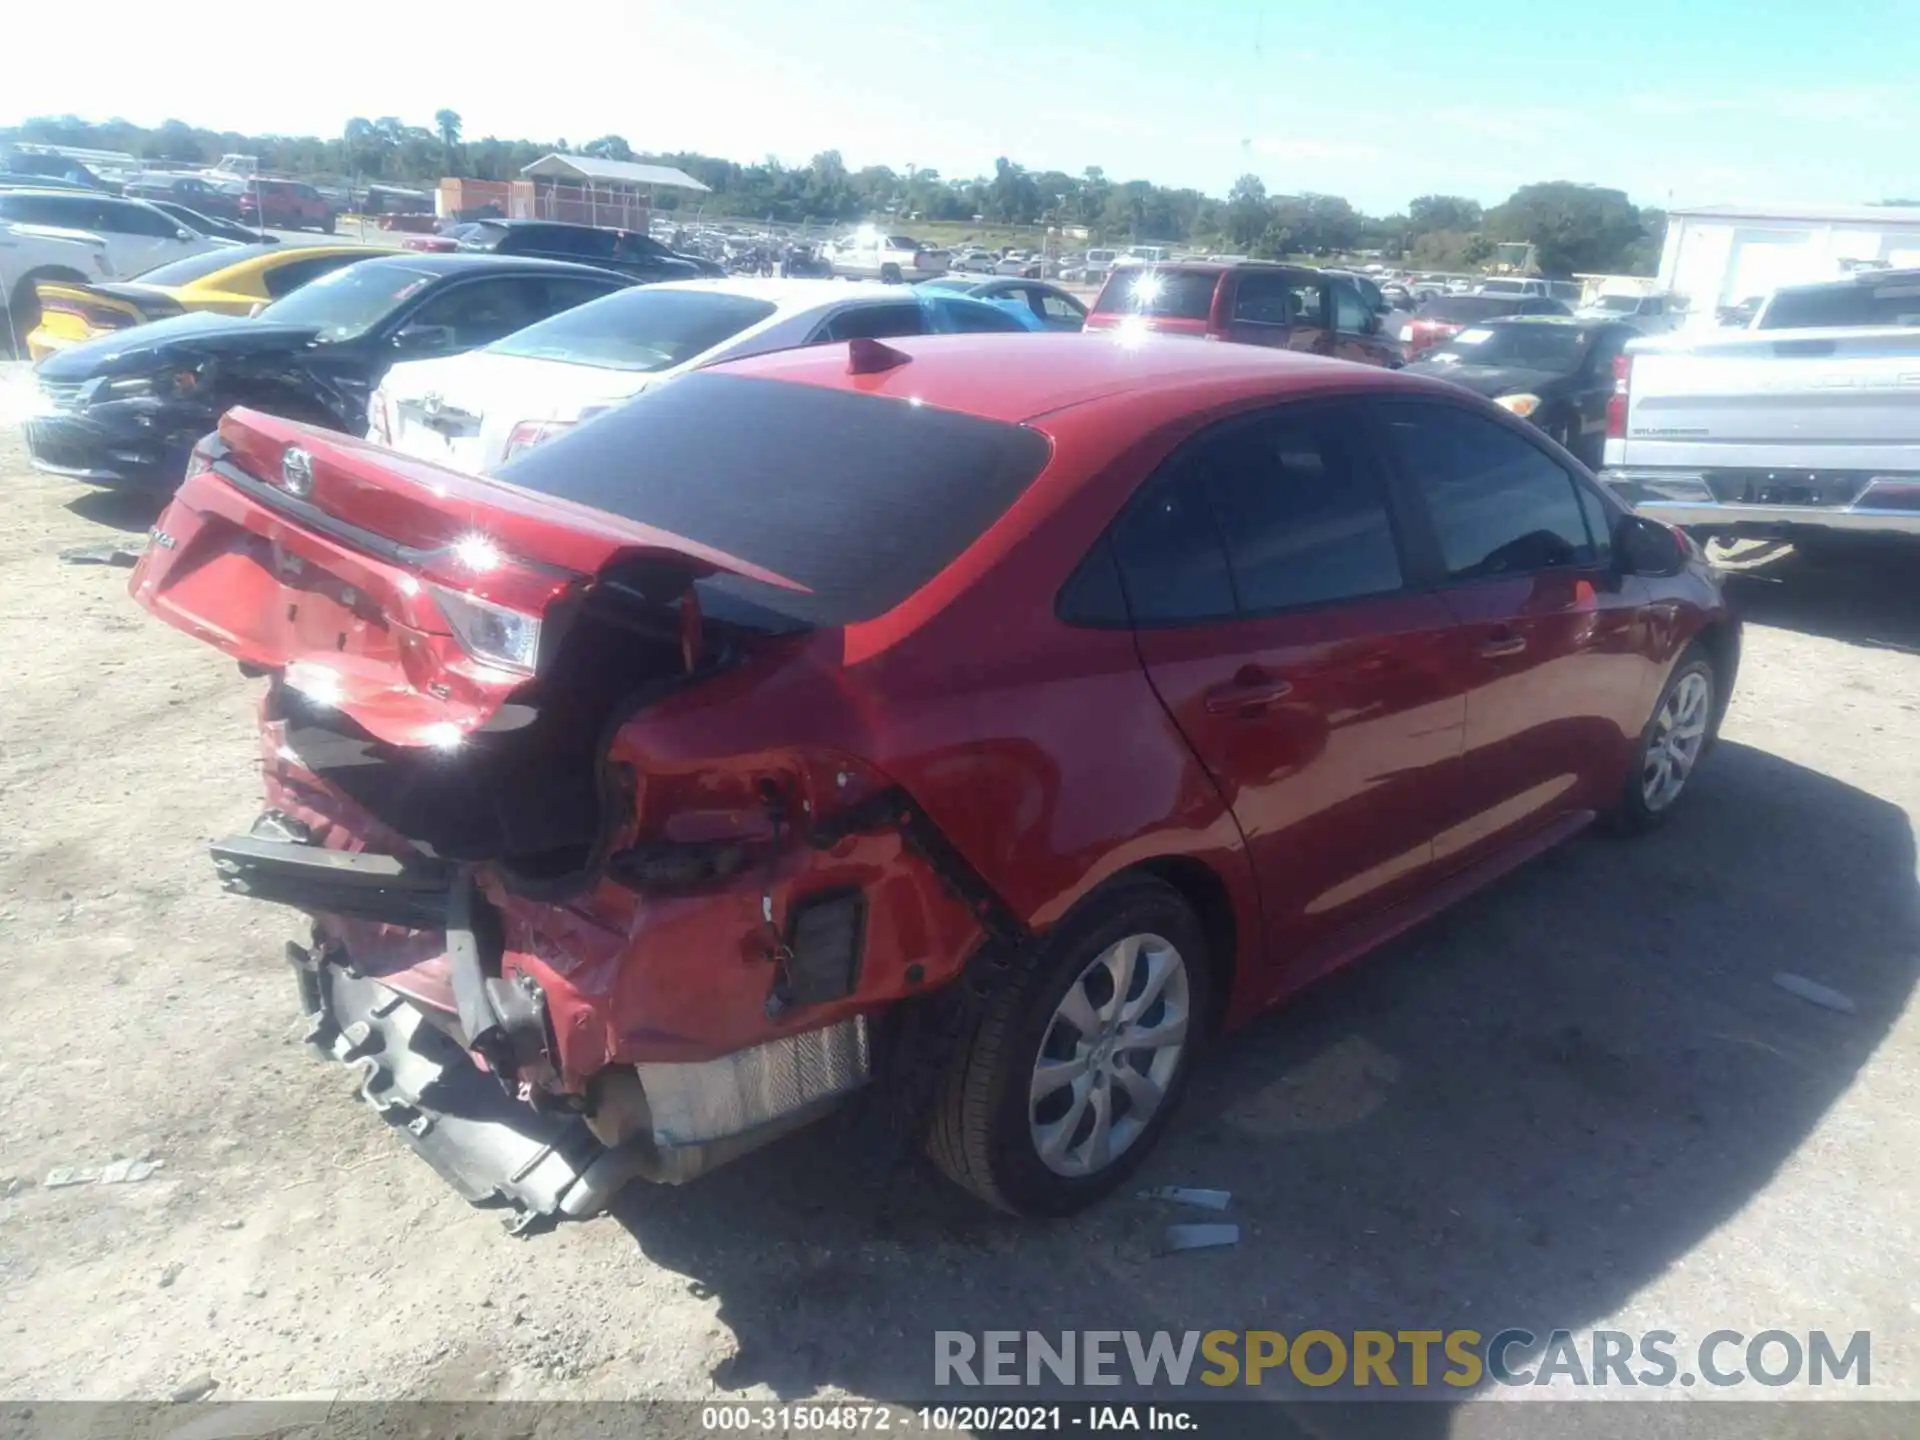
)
(493, 1148)
(1710, 516)
(1686, 497)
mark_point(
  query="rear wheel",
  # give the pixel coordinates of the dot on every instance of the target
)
(328, 225)
(1670, 747)
(890, 274)
(1075, 1067)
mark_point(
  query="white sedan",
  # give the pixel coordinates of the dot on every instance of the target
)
(477, 410)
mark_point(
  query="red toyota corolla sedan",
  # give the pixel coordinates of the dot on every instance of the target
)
(979, 724)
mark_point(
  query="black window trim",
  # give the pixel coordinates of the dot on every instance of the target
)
(1373, 452)
(1423, 541)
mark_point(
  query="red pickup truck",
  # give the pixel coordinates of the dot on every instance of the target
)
(286, 205)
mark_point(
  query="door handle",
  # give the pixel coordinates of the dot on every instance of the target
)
(1247, 694)
(1502, 643)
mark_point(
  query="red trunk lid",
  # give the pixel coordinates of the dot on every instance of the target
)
(326, 558)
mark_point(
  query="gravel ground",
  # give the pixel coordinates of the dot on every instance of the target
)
(1578, 1100)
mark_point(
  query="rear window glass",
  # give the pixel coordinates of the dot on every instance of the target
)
(198, 267)
(1469, 307)
(1894, 302)
(1166, 294)
(642, 329)
(860, 498)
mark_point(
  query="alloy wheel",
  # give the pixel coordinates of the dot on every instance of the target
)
(1109, 1055)
(1679, 734)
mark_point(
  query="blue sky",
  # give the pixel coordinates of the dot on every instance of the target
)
(1670, 100)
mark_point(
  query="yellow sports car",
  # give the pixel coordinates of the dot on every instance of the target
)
(229, 281)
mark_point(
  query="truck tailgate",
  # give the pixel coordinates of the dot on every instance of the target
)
(1817, 400)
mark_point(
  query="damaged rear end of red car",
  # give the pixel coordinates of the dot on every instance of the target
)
(600, 882)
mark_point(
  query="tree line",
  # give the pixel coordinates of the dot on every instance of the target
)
(1572, 227)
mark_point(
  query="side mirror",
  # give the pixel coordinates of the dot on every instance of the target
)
(255, 308)
(184, 234)
(1646, 547)
(1376, 322)
(424, 339)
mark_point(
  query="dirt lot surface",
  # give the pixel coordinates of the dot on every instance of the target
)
(1579, 1100)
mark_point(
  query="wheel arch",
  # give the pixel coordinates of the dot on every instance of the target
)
(1205, 891)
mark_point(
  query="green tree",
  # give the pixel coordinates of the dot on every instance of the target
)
(1249, 217)
(447, 122)
(608, 147)
(1573, 228)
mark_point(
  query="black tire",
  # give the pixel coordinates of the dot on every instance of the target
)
(1633, 813)
(891, 274)
(328, 225)
(981, 1132)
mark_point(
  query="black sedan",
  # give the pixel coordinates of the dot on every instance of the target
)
(127, 408)
(1553, 370)
(627, 251)
(1056, 309)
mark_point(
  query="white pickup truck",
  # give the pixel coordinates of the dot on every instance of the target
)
(867, 255)
(1806, 425)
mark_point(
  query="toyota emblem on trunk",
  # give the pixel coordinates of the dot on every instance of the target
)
(296, 471)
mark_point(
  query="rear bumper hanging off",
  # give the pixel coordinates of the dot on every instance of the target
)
(471, 1119)
(682, 1119)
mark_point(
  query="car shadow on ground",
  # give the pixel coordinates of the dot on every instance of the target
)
(1519, 1114)
(1869, 595)
(133, 511)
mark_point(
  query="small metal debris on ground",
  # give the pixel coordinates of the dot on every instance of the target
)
(116, 553)
(1814, 993)
(1182, 1195)
(193, 1388)
(1198, 1237)
(119, 1172)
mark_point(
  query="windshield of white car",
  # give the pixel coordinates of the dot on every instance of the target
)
(644, 329)
(1555, 348)
(346, 303)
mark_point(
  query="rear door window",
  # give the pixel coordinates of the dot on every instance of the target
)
(1350, 310)
(1159, 293)
(1263, 297)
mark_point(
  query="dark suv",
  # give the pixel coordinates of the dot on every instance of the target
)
(627, 251)
(1252, 302)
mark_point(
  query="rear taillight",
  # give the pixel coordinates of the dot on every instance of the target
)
(1617, 402)
(496, 635)
(529, 433)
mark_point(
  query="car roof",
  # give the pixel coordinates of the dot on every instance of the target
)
(441, 262)
(794, 293)
(1908, 276)
(1017, 378)
(1568, 322)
